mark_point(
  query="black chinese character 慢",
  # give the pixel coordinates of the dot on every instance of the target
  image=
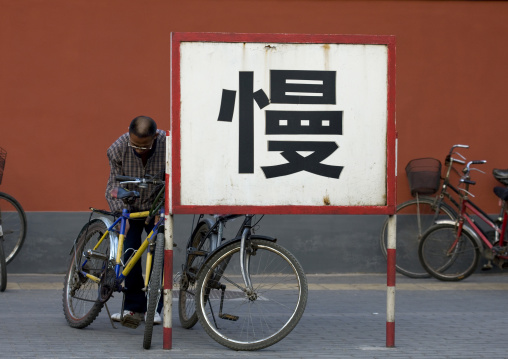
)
(287, 87)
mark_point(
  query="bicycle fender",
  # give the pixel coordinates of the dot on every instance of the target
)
(210, 225)
(113, 238)
(258, 236)
(466, 228)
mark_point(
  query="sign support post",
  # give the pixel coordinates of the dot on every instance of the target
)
(390, 279)
(168, 256)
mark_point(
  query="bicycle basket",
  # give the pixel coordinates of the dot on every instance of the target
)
(423, 175)
(3, 156)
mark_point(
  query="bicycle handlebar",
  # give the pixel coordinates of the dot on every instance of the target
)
(465, 178)
(479, 162)
(458, 146)
(135, 180)
(467, 169)
(451, 159)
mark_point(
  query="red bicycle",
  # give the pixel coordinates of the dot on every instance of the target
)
(450, 249)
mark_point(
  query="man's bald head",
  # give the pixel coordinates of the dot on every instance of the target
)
(143, 126)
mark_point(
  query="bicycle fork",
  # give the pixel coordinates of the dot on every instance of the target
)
(244, 264)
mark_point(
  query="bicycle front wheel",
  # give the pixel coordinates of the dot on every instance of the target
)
(244, 319)
(154, 291)
(12, 225)
(187, 290)
(81, 295)
(3, 268)
(410, 229)
(445, 255)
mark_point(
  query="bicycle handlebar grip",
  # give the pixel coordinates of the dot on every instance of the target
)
(458, 146)
(480, 162)
(126, 178)
(468, 181)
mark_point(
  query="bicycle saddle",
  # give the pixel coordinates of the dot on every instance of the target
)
(501, 175)
(122, 193)
(501, 192)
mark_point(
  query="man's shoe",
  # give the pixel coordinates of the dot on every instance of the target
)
(127, 313)
(156, 319)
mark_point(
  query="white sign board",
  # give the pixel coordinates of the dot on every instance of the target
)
(282, 123)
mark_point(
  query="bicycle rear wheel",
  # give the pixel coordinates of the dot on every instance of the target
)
(12, 225)
(187, 291)
(3, 268)
(410, 229)
(81, 295)
(154, 291)
(447, 257)
(243, 320)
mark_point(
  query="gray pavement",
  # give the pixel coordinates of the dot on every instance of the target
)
(345, 318)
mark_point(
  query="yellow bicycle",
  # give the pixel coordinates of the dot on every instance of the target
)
(96, 269)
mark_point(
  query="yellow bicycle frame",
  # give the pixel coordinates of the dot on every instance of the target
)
(133, 260)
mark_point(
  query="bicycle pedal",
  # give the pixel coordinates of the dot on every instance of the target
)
(130, 322)
(231, 317)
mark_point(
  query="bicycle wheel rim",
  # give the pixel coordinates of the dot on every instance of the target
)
(409, 232)
(258, 320)
(187, 291)
(81, 295)
(154, 290)
(12, 225)
(187, 302)
(446, 257)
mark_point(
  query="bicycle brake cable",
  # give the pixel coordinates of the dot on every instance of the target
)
(259, 220)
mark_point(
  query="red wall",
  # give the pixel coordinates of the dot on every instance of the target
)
(74, 73)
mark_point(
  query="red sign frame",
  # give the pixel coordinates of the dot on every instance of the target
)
(174, 192)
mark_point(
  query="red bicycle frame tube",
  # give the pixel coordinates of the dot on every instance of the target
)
(464, 216)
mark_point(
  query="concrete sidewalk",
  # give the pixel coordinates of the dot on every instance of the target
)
(345, 318)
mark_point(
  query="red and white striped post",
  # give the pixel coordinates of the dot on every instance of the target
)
(167, 333)
(390, 278)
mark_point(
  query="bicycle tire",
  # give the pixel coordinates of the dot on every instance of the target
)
(264, 317)
(187, 289)
(436, 258)
(81, 296)
(13, 225)
(408, 234)
(154, 290)
(3, 268)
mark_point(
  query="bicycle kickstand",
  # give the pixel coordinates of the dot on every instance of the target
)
(109, 316)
